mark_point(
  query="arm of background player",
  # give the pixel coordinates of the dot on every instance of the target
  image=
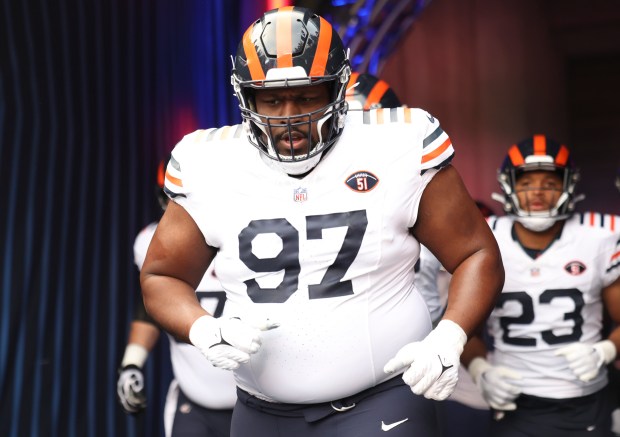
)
(611, 298)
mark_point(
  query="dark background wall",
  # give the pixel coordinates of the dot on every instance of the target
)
(94, 94)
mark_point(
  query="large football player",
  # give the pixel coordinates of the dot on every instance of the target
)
(201, 397)
(316, 217)
(547, 375)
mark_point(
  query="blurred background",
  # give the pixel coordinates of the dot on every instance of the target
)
(94, 94)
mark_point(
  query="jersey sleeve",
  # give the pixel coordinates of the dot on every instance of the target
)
(612, 268)
(437, 150)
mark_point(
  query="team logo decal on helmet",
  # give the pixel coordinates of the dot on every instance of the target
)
(291, 47)
(362, 181)
(366, 91)
(538, 153)
(575, 268)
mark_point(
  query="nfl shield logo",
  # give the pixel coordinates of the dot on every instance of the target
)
(300, 194)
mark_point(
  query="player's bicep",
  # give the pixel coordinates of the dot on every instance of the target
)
(611, 297)
(449, 223)
(178, 248)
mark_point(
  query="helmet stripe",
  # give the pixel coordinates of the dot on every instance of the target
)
(160, 174)
(256, 70)
(515, 156)
(284, 25)
(352, 81)
(376, 93)
(322, 49)
(562, 157)
(540, 145)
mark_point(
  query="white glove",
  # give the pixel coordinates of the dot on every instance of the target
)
(585, 360)
(431, 364)
(494, 384)
(130, 389)
(227, 342)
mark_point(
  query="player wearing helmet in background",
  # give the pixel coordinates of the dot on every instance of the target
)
(201, 397)
(317, 232)
(547, 374)
(366, 91)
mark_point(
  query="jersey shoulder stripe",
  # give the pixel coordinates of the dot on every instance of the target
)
(597, 220)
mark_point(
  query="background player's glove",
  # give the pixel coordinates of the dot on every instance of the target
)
(494, 383)
(227, 343)
(431, 364)
(130, 389)
(585, 360)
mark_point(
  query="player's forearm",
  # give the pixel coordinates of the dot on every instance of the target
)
(473, 289)
(172, 303)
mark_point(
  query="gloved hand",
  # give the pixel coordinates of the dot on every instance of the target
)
(494, 384)
(130, 389)
(431, 364)
(585, 360)
(227, 342)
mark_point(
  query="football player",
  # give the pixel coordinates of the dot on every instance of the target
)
(201, 397)
(317, 231)
(366, 91)
(547, 375)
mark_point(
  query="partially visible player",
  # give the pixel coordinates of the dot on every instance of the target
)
(547, 375)
(366, 91)
(201, 397)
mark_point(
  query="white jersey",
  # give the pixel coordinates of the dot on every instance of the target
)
(204, 384)
(552, 301)
(329, 256)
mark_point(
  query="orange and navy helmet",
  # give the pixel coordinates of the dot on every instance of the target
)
(162, 198)
(539, 153)
(366, 91)
(291, 47)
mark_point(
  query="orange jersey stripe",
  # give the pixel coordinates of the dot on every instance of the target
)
(407, 115)
(375, 94)
(438, 151)
(562, 157)
(256, 70)
(515, 156)
(379, 116)
(284, 37)
(322, 49)
(175, 181)
(540, 145)
(592, 219)
(613, 222)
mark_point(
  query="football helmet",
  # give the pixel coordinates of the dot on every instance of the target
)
(162, 199)
(366, 91)
(291, 47)
(538, 153)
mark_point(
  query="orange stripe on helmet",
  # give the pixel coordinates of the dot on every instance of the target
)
(352, 81)
(175, 181)
(438, 151)
(284, 29)
(254, 65)
(562, 157)
(322, 49)
(376, 93)
(160, 174)
(515, 156)
(540, 145)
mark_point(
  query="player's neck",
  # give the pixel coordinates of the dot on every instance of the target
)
(538, 240)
